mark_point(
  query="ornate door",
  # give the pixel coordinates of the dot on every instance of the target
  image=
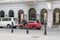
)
(20, 16)
(56, 16)
(43, 16)
(32, 14)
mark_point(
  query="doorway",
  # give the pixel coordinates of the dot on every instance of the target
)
(43, 16)
(20, 16)
(2, 13)
(32, 14)
(56, 17)
(11, 13)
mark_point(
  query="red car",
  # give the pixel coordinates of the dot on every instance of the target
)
(33, 24)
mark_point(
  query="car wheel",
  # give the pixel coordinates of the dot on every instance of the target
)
(21, 27)
(14, 26)
(38, 28)
(34, 27)
(8, 26)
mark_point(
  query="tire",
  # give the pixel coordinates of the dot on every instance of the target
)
(21, 27)
(8, 26)
(38, 28)
(14, 26)
(34, 27)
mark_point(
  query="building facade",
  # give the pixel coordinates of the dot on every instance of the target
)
(33, 10)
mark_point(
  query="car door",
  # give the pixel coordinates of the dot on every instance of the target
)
(3, 22)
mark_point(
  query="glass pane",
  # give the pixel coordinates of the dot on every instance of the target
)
(11, 13)
(56, 16)
(20, 16)
(2, 13)
(6, 19)
(32, 14)
(43, 15)
(3, 19)
(25, 17)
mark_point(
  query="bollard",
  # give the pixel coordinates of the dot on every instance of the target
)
(12, 28)
(45, 33)
(27, 29)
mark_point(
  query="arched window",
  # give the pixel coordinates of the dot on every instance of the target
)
(56, 16)
(2, 13)
(32, 14)
(11, 13)
(43, 15)
(20, 15)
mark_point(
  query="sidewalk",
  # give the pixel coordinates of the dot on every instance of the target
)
(17, 36)
(5, 34)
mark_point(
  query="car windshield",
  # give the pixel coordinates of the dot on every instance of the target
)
(31, 21)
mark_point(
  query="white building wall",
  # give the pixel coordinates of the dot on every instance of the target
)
(26, 7)
(50, 14)
(15, 8)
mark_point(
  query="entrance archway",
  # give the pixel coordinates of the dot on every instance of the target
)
(20, 16)
(56, 16)
(2, 13)
(44, 15)
(11, 13)
(32, 14)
